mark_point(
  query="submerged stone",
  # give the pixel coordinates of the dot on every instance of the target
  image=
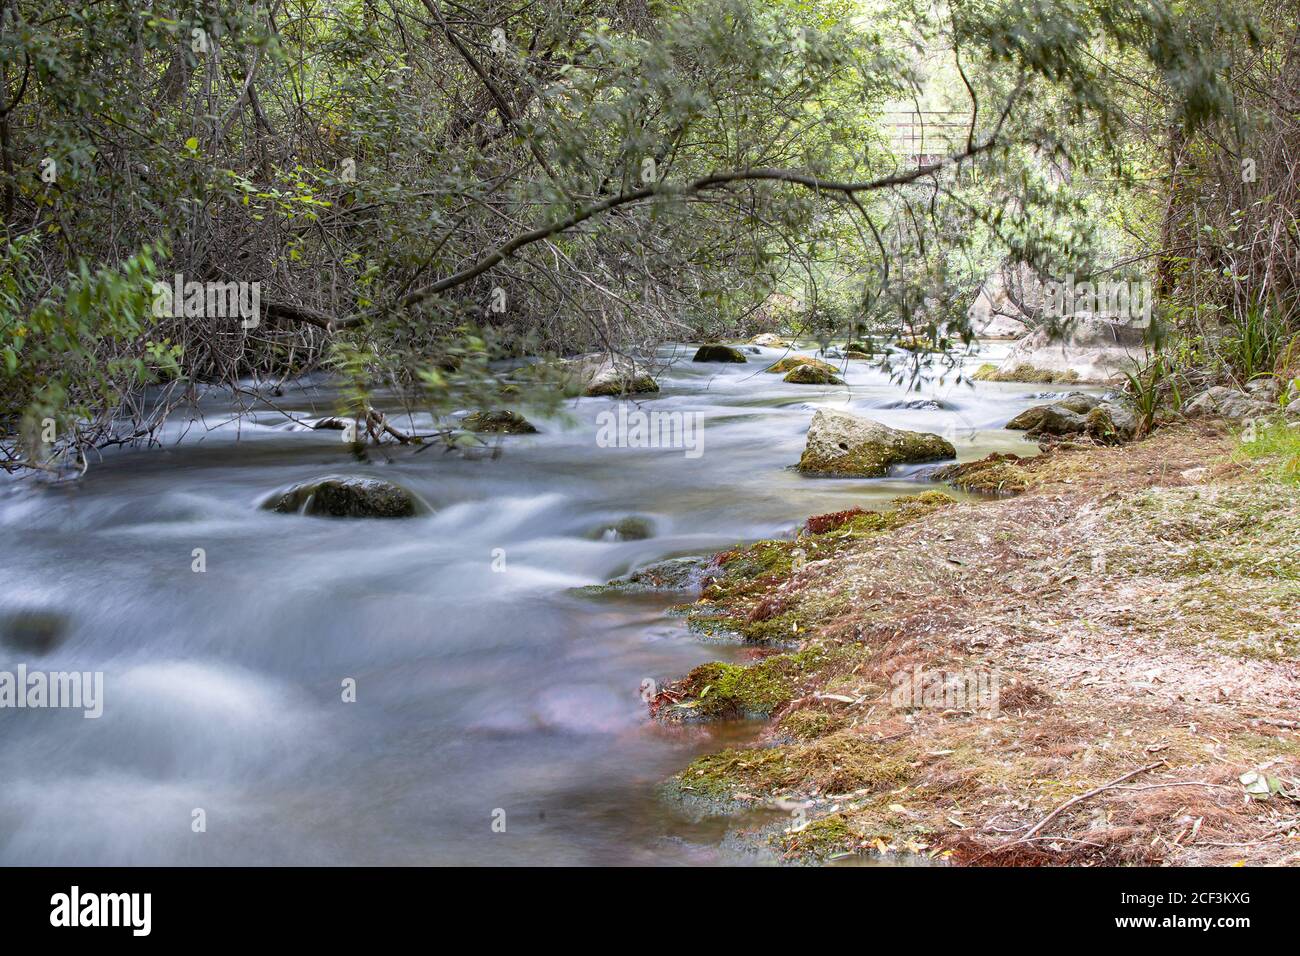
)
(34, 632)
(631, 528)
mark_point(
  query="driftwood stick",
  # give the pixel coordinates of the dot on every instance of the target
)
(1082, 797)
(1065, 806)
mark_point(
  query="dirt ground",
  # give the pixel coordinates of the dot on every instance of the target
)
(1082, 673)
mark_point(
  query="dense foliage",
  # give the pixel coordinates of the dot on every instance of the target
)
(419, 187)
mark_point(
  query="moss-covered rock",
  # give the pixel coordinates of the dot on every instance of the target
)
(718, 353)
(769, 340)
(812, 375)
(1107, 422)
(613, 382)
(1024, 373)
(498, 422)
(1110, 424)
(347, 497)
(844, 445)
(794, 361)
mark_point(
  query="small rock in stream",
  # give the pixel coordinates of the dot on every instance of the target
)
(339, 496)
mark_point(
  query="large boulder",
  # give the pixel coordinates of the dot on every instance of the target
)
(844, 445)
(794, 361)
(498, 422)
(1229, 403)
(344, 496)
(812, 375)
(1078, 414)
(1048, 420)
(769, 340)
(1083, 348)
(718, 353)
(1078, 402)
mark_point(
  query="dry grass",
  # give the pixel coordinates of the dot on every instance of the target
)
(1136, 604)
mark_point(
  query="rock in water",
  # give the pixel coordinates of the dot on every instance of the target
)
(612, 375)
(673, 574)
(844, 445)
(794, 361)
(769, 340)
(812, 375)
(347, 497)
(34, 632)
(718, 353)
(1048, 420)
(498, 422)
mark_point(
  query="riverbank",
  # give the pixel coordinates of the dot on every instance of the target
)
(1126, 624)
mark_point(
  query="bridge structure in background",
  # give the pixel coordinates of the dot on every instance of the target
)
(922, 137)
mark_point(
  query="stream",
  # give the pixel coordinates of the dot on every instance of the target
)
(487, 687)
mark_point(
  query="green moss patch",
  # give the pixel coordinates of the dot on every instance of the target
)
(717, 691)
(838, 763)
(995, 474)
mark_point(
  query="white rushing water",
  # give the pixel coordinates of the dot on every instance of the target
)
(477, 689)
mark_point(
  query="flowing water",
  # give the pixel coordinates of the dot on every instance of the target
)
(484, 682)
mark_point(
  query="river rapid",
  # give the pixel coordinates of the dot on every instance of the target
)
(487, 688)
